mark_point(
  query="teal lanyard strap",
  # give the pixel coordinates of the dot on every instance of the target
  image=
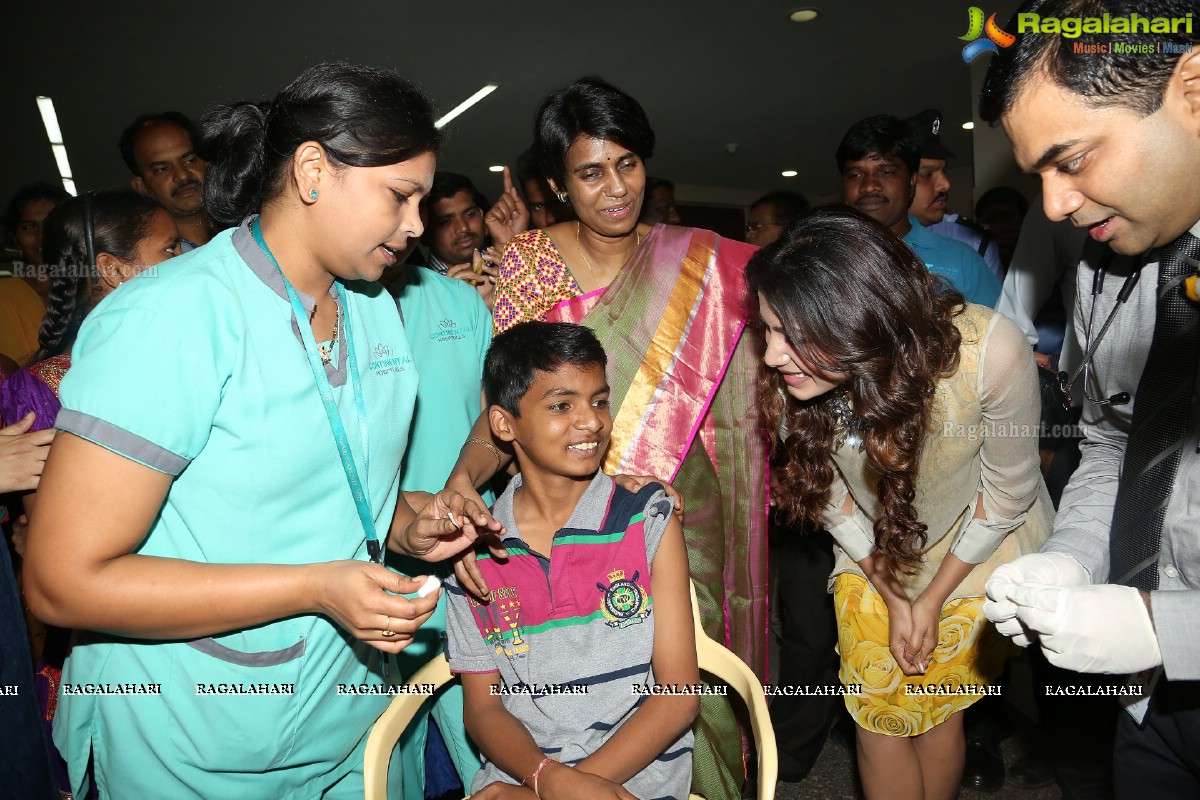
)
(362, 498)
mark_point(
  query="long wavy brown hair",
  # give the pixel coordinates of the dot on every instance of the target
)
(854, 300)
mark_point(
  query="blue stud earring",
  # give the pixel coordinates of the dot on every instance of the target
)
(312, 193)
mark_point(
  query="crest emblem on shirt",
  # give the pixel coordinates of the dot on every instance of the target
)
(625, 602)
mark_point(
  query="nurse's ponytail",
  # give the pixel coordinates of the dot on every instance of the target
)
(361, 116)
(234, 136)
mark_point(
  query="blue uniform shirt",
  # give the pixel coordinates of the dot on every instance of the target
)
(449, 329)
(963, 267)
(952, 226)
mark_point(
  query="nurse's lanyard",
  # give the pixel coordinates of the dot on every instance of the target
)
(358, 487)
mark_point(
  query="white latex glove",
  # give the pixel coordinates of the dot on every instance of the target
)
(1047, 569)
(1102, 628)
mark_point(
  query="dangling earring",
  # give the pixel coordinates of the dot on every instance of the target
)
(312, 194)
(784, 429)
(562, 197)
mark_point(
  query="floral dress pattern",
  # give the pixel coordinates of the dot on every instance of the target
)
(970, 653)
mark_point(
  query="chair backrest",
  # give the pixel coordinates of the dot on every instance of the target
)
(718, 661)
(711, 657)
(392, 722)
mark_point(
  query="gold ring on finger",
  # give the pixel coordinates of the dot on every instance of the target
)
(387, 631)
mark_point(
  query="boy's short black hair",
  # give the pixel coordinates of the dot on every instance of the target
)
(522, 350)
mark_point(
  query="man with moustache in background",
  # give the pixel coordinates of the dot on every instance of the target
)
(161, 152)
(878, 159)
(456, 234)
(933, 193)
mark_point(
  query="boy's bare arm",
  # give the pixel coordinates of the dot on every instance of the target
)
(661, 719)
(499, 735)
(506, 742)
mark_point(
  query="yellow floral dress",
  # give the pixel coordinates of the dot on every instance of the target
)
(970, 654)
(982, 440)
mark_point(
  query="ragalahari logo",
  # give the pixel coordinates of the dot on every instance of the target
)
(997, 37)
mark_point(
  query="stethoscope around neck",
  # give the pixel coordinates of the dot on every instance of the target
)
(1090, 347)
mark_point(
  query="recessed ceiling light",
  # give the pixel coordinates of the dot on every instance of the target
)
(487, 89)
(803, 15)
(789, 173)
(496, 168)
(968, 126)
(54, 134)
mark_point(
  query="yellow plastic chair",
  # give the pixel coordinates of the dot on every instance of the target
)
(712, 658)
(392, 722)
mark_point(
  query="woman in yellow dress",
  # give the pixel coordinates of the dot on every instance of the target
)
(908, 420)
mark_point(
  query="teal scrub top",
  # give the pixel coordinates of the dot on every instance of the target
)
(449, 329)
(197, 370)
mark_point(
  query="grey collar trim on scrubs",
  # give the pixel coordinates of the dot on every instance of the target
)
(264, 270)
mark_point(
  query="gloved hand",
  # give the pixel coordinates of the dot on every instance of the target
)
(1104, 628)
(1048, 569)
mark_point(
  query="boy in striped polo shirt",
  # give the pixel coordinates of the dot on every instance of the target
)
(577, 668)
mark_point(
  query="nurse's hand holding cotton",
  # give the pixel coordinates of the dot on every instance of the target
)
(365, 599)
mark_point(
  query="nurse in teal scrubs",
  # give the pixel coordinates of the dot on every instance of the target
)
(228, 468)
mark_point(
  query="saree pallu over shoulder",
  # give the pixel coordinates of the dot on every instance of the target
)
(670, 323)
(682, 378)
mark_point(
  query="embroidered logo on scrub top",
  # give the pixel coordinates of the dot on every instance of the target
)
(625, 602)
(448, 331)
(383, 361)
(500, 621)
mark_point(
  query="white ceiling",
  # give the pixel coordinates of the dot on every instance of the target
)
(708, 72)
